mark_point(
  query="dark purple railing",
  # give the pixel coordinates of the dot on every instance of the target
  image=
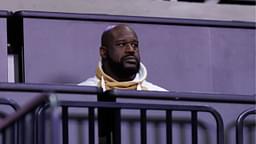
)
(17, 118)
(117, 106)
(240, 124)
(143, 109)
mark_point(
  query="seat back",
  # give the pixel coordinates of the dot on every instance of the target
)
(3, 46)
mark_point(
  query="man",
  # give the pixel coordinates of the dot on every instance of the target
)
(120, 65)
(119, 68)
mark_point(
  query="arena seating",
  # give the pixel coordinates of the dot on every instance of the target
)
(63, 48)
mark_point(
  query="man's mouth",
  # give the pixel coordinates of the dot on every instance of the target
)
(130, 59)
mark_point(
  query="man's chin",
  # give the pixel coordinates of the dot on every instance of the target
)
(132, 69)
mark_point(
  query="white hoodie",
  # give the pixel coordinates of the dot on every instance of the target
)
(141, 75)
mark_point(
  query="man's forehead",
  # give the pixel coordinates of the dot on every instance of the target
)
(124, 31)
(119, 28)
(120, 32)
(109, 28)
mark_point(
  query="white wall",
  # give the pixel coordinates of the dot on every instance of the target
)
(155, 8)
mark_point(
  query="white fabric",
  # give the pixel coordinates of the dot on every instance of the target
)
(94, 81)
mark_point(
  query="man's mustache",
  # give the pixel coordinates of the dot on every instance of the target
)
(130, 57)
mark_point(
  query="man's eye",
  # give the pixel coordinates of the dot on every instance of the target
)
(135, 45)
(121, 44)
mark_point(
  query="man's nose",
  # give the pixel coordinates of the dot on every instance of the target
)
(130, 47)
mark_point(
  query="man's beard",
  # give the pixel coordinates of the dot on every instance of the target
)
(120, 69)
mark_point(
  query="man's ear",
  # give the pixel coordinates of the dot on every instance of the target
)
(103, 52)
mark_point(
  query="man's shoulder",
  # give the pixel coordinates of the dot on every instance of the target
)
(93, 81)
(152, 87)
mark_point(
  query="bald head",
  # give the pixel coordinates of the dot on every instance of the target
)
(110, 31)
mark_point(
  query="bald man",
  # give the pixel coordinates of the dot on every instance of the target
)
(120, 66)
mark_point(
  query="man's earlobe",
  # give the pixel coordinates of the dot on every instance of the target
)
(103, 52)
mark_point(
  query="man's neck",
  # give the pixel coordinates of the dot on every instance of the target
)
(117, 75)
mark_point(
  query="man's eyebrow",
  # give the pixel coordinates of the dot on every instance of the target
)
(127, 41)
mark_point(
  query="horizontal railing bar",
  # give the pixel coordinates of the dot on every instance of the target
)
(9, 102)
(133, 19)
(5, 14)
(135, 106)
(57, 88)
(185, 96)
(171, 95)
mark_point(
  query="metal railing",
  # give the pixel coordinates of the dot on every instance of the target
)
(9, 102)
(240, 124)
(14, 106)
(48, 89)
(143, 118)
(115, 107)
(18, 117)
(185, 96)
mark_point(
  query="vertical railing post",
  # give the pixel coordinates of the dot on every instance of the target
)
(4, 136)
(65, 125)
(169, 127)
(194, 122)
(54, 119)
(108, 121)
(40, 124)
(22, 136)
(143, 126)
(33, 130)
(91, 125)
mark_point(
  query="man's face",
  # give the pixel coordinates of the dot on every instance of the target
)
(123, 50)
